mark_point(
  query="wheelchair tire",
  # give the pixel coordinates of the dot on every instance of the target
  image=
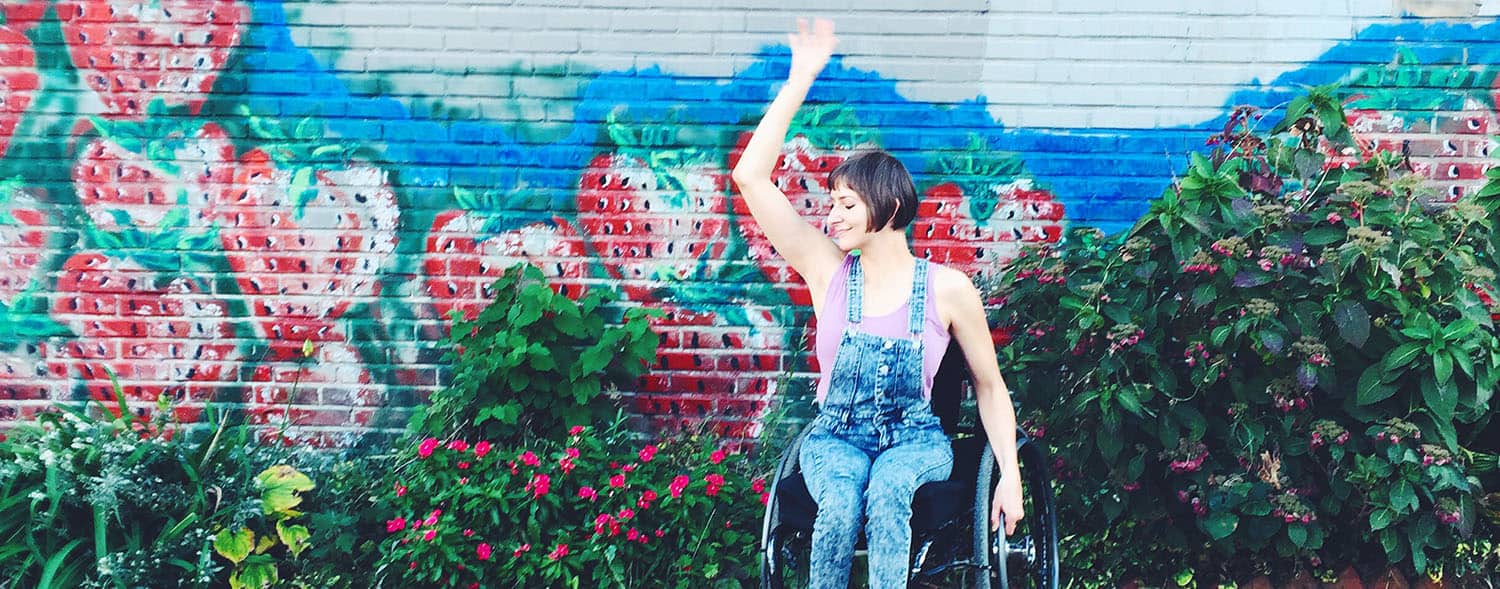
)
(1030, 560)
(772, 565)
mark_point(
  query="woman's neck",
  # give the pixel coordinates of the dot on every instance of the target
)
(886, 254)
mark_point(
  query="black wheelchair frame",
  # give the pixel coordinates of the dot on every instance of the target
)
(949, 534)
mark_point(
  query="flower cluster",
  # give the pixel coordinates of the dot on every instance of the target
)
(1394, 431)
(1325, 432)
(1201, 263)
(1187, 457)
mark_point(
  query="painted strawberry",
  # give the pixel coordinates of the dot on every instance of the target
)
(24, 228)
(25, 386)
(462, 260)
(945, 230)
(654, 216)
(132, 52)
(21, 15)
(306, 243)
(157, 336)
(18, 81)
(718, 365)
(142, 175)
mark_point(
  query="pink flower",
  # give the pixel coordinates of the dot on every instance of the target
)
(632, 534)
(659, 533)
(529, 458)
(429, 534)
(716, 457)
(646, 498)
(575, 430)
(522, 549)
(463, 465)
(617, 481)
(468, 533)
(395, 525)
(566, 464)
(627, 513)
(678, 484)
(458, 445)
(400, 489)
(432, 518)
(540, 484)
(714, 479)
(588, 493)
(559, 552)
(571, 452)
(483, 550)
(648, 453)
(481, 449)
(1334, 218)
(426, 447)
(758, 485)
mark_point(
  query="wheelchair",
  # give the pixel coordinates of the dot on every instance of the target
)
(951, 536)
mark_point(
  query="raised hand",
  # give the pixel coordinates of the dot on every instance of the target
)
(811, 47)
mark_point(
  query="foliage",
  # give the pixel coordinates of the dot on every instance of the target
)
(534, 360)
(1292, 347)
(586, 508)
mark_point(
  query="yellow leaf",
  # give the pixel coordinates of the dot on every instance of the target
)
(294, 536)
(234, 546)
(280, 486)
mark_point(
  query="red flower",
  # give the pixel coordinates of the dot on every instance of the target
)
(458, 445)
(429, 534)
(559, 552)
(432, 518)
(481, 449)
(627, 513)
(529, 458)
(588, 493)
(678, 484)
(758, 485)
(426, 447)
(540, 484)
(566, 464)
(632, 534)
(646, 498)
(463, 465)
(575, 430)
(571, 452)
(715, 482)
(522, 549)
(468, 533)
(717, 457)
(483, 550)
(400, 489)
(617, 481)
(648, 453)
(395, 525)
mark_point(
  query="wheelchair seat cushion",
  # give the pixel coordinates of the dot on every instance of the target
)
(935, 504)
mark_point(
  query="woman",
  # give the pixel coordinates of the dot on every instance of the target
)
(885, 319)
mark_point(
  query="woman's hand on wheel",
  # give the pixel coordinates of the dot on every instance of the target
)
(812, 47)
(1007, 502)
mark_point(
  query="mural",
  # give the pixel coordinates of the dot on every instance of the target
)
(189, 198)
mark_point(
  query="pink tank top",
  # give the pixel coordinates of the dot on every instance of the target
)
(835, 317)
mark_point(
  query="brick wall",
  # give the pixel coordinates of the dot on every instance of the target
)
(193, 190)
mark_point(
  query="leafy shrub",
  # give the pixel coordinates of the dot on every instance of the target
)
(586, 508)
(1288, 360)
(534, 360)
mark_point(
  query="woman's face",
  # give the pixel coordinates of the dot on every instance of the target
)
(848, 218)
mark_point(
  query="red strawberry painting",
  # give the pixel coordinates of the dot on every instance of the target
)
(18, 81)
(157, 337)
(946, 232)
(462, 261)
(311, 259)
(653, 223)
(801, 172)
(21, 15)
(131, 52)
(707, 367)
(24, 382)
(120, 186)
(24, 228)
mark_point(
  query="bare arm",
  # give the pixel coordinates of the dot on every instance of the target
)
(996, 413)
(811, 254)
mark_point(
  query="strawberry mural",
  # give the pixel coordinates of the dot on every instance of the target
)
(23, 382)
(18, 81)
(463, 258)
(21, 15)
(23, 241)
(158, 336)
(154, 175)
(132, 53)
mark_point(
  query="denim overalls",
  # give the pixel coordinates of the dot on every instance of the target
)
(874, 441)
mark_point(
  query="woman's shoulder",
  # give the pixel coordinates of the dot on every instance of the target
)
(946, 279)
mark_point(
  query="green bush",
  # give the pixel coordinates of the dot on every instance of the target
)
(122, 501)
(534, 360)
(584, 508)
(1285, 364)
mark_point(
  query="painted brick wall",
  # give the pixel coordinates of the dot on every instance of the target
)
(194, 189)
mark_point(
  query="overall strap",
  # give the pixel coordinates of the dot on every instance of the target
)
(854, 290)
(918, 298)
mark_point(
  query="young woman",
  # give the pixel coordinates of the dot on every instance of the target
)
(885, 319)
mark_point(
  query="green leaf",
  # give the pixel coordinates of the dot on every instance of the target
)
(1297, 533)
(1323, 236)
(280, 487)
(295, 537)
(1441, 399)
(234, 546)
(1442, 366)
(1379, 519)
(1403, 355)
(1220, 524)
(1371, 387)
(1353, 322)
(254, 576)
(1403, 497)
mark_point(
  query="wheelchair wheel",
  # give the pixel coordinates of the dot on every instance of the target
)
(782, 549)
(1028, 558)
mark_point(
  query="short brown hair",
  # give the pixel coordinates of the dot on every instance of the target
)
(883, 183)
